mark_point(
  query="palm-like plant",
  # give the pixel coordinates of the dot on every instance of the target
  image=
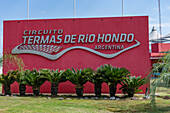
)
(20, 78)
(7, 80)
(1, 60)
(164, 77)
(34, 79)
(54, 77)
(113, 76)
(131, 84)
(97, 79)
(12, 61)
(79, 78)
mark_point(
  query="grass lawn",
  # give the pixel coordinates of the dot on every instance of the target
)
(39, 104)
(42, 104)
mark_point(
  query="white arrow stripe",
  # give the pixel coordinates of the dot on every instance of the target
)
(58, 55)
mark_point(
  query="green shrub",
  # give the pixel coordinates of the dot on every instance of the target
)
(34, 79)
(131, 84)
(113, 76)
(20, 78)
(97, 79)
(54, 77)
(7, 80)
(79, 78)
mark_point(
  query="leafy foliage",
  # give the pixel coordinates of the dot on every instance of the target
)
(1, 60)
(34, 78)
(54, 76)
(97, 78)
(164, 77)
(20, 77)
(113, 75)
(131, 84)
(78, 77)
(9, 78)
(12, 61)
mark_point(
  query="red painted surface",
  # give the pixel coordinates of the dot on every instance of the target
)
(155, 48)
(137, 60)
(160, 47)
(157, 54)
(164, 47)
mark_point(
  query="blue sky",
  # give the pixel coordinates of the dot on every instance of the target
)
(41, 9)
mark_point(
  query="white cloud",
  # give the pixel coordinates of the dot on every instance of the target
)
(152, 19)
(168, 7)
(155, 25)
(156, 9)
(43, 12)
(163, 25)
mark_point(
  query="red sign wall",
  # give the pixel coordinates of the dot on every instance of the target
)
(79, 43)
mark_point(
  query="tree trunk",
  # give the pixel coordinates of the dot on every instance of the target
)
(131, 93)
(79, 92)
(112, 89)
(7, 89)
(36, 91)
(54, 89)
(22, 88)
(97, 89)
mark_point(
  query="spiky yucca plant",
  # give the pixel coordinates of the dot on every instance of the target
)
(54, 77)
(7, 80)
(113, 76)
(131, 84)
(34, 79)
(79, 78)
